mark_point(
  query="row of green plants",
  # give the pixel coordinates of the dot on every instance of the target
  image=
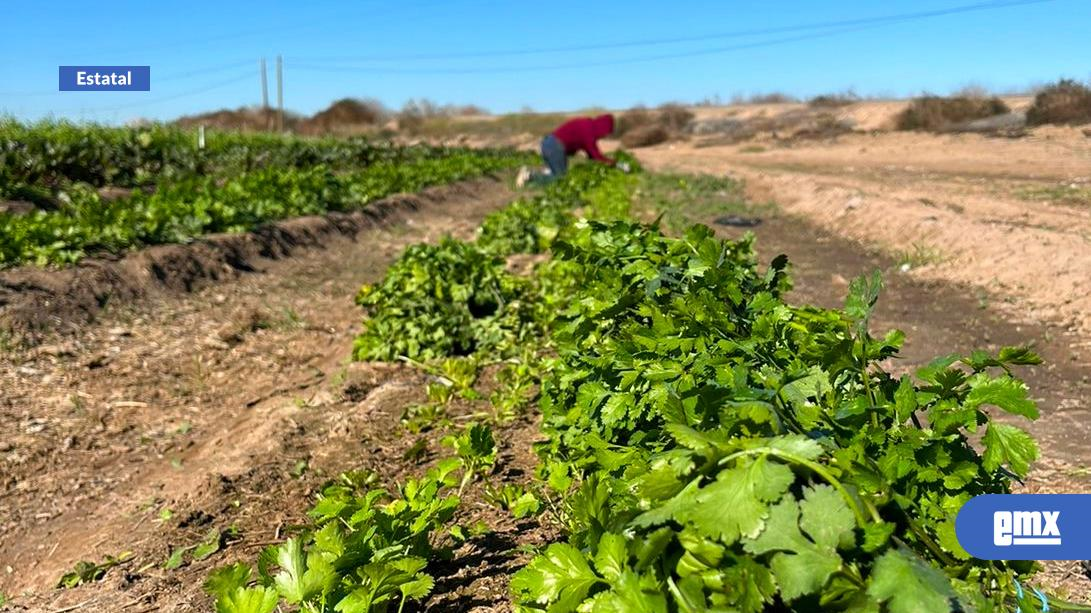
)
(453, 308)
(708, 446)
(51, 155)
(182, 209)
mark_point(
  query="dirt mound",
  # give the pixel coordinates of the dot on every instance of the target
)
(36, 301)
(247, 119)
(344, 116)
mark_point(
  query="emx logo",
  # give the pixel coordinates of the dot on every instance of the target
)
(1026, 527)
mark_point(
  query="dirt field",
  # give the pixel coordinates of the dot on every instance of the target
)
(176, 413)
(205, 405)
(1009, 217)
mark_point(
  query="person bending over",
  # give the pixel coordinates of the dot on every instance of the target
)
(575, 135)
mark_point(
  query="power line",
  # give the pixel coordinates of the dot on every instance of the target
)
(981, 6)
(203, 71)
(156, 79)
(213, 86)
(574, 65)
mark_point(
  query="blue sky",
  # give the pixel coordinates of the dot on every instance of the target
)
(204, 54)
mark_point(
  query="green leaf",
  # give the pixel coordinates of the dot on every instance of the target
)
(631, 594)
(907, 585)
(799, 574)
(248, 600)
(613, 553)
(826, 518)
(417, 589)
(208, 546)
(1009, 445)
(1004, 392)
(227, 579)
(905, 400)
(1022, 356)
(617, 406)
(560, 577)
(176, 558)
(863, 294)
(735, 504)
(295, 581)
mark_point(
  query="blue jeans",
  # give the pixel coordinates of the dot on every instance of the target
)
(554, 157)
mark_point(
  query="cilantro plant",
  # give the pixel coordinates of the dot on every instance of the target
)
(366, 551)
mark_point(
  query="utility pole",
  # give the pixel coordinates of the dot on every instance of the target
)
(264, 87)
(280, 94)
(264, 94)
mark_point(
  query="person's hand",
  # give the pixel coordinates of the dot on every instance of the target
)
(624, 167)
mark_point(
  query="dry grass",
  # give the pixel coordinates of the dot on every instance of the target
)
(937, 113)
(1064, 102)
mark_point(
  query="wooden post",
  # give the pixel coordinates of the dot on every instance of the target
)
(201, 136)
(280, 94)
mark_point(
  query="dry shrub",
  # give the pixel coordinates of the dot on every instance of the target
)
(674, 116)
(936, 113)
(645, 136)
(832, 101)
(634, 118)
(1064, 102)
(641, 127)
(769, 98)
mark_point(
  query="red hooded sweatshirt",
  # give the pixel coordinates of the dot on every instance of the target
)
(583, 133)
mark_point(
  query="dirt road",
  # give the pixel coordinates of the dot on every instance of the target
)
(1006, 217)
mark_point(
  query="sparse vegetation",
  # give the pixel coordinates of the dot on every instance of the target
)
(827, 101)
(767, 98)
(1070, 193)
(1064, 102)
(919, 254)
(937, 113)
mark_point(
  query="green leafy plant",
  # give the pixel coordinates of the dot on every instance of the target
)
(367, 549)
(88, 572)
(516, 499)
(450, 299)
(476, 448)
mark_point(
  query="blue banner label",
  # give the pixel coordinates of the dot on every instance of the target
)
(105, 78)
(1026, 527)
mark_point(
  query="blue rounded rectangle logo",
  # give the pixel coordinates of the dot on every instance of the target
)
(1026, 527)
(105, 78)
